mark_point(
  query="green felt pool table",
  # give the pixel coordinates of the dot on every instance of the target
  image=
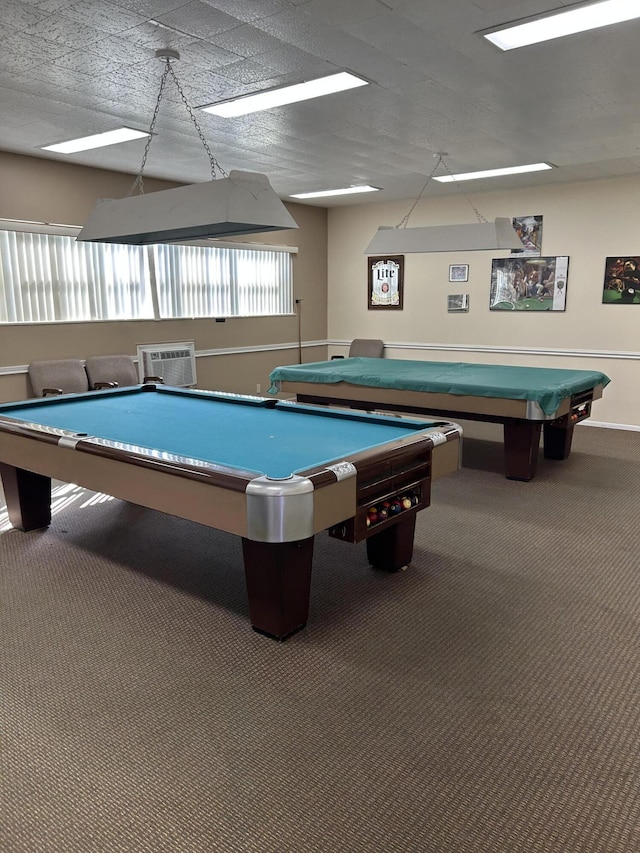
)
(273, 472)
(526, 400)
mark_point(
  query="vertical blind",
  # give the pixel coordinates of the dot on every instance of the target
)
(194, 281)
(52, 278)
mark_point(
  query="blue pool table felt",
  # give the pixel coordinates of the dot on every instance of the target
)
(273, 440)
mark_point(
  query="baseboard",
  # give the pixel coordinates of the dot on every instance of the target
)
(604, 425)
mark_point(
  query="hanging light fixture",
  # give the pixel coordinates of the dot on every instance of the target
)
(227, 205)
(481, 235)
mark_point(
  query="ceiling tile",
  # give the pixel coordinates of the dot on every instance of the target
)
(68, 67)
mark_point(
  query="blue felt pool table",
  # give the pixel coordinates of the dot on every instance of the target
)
(273, 472)
(527, 401)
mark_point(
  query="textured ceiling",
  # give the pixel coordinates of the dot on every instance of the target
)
(76, 67)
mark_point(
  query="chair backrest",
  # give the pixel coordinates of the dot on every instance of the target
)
(367, 348)
(58, 376)
(111, 371)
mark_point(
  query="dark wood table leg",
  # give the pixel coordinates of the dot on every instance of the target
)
(521, 444)
(278, 576)
(392, 548)
(558, 436)
(28, 497)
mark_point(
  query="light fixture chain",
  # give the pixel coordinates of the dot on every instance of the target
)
(139, 181)
(212, 160)
(405, 220)
(481, 219)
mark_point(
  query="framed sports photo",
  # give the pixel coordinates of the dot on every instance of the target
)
(386, 282)
(459, 272)
(457, 302)
(529, 284)
(622, 281)
(529, 230)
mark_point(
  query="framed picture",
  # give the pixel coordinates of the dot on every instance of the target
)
(622, 281)
(386, 282)
(529, 230)
(529, 284)
(459, 272)
(457, 302)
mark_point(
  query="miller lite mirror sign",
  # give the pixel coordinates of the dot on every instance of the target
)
(386, 281)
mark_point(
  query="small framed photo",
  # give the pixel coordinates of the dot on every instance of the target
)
(459, 272)
(457, 302)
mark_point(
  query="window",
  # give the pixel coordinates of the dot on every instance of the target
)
(47, 278)
(51, 278)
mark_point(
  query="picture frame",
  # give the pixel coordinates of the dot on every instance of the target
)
(529, 230)
(529, 283)
(385, 283)
(457, 302)
(458, 272)
(622, 280)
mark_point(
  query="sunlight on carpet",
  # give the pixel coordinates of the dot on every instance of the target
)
(62, 496)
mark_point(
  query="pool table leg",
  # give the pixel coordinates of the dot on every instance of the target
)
(392, 548)
(558, 436)
(521, 444)
(278, 576)
(28, 497)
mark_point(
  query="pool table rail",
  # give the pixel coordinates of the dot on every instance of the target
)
(523, 421)
(276, 518)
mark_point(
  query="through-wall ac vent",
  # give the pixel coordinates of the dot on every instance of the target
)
(175, 363)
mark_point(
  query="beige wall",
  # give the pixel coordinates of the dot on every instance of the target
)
(587, 221)
(50, 191)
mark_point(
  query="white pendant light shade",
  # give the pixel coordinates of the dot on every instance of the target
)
(445, 238)
(243, 203)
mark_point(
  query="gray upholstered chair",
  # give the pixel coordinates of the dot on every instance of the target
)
(111, 371)
(367, 348)
(58, 376)
(114, 371)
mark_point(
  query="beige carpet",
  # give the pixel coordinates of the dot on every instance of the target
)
(487, 699)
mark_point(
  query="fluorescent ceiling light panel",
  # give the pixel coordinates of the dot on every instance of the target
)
(492, 173)
(345, 191)
(286, 95)
(97, 140)
(560, 24)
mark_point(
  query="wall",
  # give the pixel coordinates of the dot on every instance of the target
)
(52, 191)
(588, 221)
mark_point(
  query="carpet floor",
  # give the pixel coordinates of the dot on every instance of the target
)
(486, 699)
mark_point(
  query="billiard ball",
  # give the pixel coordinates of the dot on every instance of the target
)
(406, 503)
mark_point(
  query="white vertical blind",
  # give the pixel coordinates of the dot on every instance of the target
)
(47, 278)
(52, 278)
(192, 281)
(196, 281)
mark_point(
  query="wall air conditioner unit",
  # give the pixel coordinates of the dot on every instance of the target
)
(175, 363)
